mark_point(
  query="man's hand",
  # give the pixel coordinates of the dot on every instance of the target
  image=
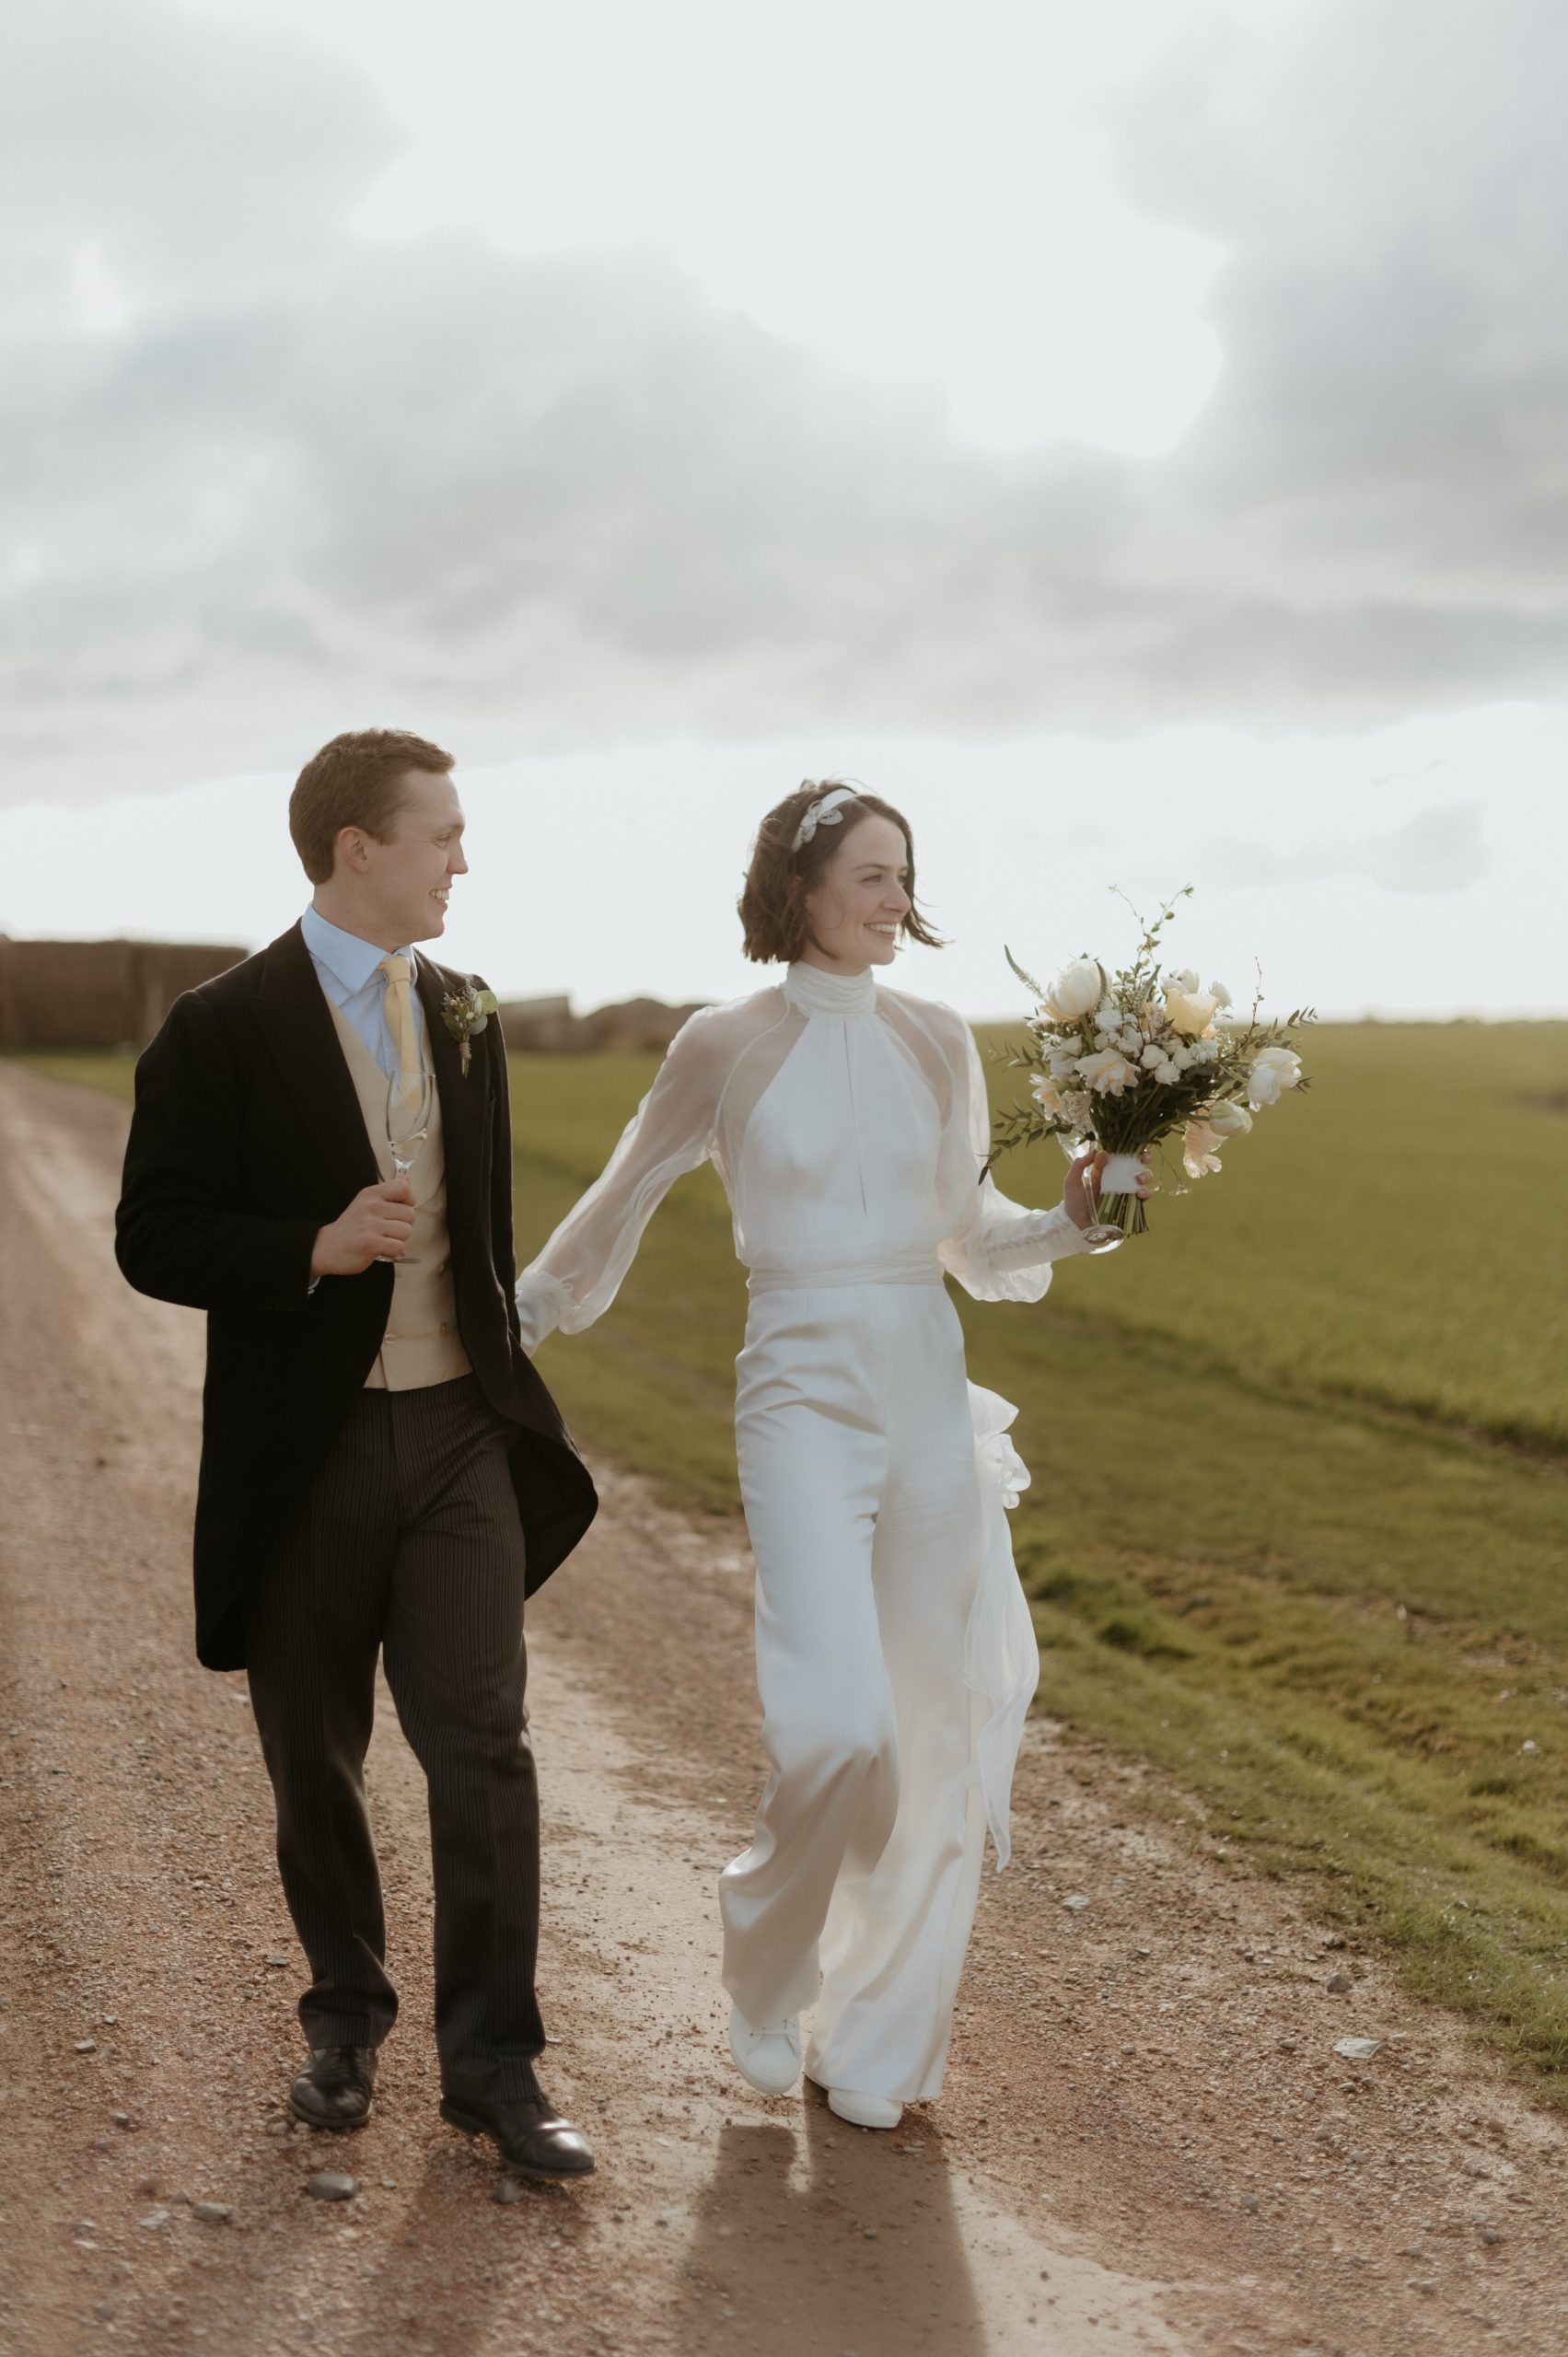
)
(375, 1226)
(1081, 1192)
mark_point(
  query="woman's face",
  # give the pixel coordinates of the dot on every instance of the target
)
(859, 902)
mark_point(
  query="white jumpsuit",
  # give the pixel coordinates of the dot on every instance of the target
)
(896, 1659)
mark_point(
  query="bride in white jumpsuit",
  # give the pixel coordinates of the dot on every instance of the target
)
(895, 1658)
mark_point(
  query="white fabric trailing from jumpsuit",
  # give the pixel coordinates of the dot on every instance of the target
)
(896, 1659)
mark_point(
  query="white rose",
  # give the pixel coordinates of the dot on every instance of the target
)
(1108, 1073)
(1219, 994)
(1262, 1086)
(1186, 981)
(1228, 1120)
(1200, 1149)
(1075, 992)
(1189, 1012)
(1283, 1061)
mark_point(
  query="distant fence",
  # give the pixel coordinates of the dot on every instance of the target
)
(97, 994)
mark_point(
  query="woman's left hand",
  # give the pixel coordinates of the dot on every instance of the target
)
(1082, 1190)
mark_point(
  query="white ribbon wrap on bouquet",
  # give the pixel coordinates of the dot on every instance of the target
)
(1121, 1174)
(1001, 1655)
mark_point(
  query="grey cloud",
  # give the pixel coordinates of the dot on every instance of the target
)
(315, 479)
(1441, 850)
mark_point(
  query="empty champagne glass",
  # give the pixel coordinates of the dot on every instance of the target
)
(411, 1107)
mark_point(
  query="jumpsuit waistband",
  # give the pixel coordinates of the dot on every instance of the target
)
(913, 1269)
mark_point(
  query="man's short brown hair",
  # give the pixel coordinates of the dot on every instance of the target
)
(357, 781)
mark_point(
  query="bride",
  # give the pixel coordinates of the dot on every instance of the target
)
(896, 1659)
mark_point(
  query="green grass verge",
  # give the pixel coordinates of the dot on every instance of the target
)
(1276, 1542)
(1279, 1541)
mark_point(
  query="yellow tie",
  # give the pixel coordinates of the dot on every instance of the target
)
(399, 1022)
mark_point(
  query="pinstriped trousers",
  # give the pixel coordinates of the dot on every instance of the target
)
(408, 1544)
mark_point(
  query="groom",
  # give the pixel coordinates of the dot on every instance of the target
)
(382, 1470)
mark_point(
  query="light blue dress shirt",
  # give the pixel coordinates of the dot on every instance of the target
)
(349, 970)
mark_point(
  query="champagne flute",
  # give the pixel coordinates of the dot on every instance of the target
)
(411, 1107)
(1100, 1235)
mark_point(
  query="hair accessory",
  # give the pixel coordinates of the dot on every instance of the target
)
(825, 812)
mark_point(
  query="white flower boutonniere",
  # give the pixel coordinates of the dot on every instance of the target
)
(465, 1014)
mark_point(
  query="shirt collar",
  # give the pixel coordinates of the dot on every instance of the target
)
(345, 955)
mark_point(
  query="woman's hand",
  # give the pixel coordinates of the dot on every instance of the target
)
(1081, 1194)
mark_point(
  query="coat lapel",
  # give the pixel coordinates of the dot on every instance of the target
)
(465, 1104)
(296, 1022)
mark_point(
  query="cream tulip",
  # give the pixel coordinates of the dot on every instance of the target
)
(1228, 1120)
(1189, 1012)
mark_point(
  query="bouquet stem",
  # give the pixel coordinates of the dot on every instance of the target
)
(1126, 1212)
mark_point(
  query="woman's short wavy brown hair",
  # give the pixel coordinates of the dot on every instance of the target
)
(780, 880)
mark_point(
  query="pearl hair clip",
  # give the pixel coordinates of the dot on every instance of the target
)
(826, 812)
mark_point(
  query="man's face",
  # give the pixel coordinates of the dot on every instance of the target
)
(409, 878)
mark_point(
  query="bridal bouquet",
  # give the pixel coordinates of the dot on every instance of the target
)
(1123, 1061)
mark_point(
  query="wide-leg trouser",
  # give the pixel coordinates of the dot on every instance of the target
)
(857, 1468)
(408, 1545)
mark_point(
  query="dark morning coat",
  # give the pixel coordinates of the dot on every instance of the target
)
(247, 1137)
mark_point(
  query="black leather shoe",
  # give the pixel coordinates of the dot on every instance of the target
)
(528, 2133)
(333, 2089)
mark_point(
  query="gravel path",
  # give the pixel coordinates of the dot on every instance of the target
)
(1148, 2144)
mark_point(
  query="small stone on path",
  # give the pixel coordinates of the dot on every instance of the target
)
(1358, 2050)
(212, 2213)
(1338, 1983)
(333, 2184)
(154, 2220)
(509, 2189)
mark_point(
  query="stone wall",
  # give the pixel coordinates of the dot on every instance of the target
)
(549, 1027)
(116, 993)
(97, 994)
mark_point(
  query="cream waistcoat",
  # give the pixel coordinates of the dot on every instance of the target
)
(421, 1345)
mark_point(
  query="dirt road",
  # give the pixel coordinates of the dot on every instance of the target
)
(1148, 2142)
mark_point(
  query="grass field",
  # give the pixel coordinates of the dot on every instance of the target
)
(1299, 1524)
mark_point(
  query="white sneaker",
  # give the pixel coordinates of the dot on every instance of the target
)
(769, 2057)
(865, 2111)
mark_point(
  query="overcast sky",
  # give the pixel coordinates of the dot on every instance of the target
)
(1132, 439)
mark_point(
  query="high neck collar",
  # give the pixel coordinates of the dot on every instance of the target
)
(813, 990)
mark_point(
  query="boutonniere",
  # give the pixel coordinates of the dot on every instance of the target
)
(465, 1014)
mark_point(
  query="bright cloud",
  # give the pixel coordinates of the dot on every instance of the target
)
(265, 475)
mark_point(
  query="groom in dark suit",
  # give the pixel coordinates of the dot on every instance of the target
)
(383, 1472)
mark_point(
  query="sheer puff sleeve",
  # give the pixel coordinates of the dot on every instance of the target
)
(1000, 1251)
(580, 1270)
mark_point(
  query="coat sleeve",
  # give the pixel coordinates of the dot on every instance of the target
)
(580, 1270)
(178, 1234)
(1001, 1251)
